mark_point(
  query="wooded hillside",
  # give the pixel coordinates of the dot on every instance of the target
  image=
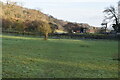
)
(18, 18)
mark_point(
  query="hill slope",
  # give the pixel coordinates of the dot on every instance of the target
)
(19, 18)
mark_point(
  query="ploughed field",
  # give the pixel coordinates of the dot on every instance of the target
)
(32, 57)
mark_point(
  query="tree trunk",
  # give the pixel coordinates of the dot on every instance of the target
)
(46, 36)
(106, 28)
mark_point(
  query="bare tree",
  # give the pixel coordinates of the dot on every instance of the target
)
(112, 15)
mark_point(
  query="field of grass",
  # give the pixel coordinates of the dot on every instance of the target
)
(29, 57)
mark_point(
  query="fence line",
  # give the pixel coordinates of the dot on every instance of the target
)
(68, 35)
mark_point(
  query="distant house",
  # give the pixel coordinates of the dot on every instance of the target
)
(93, 30)
(80, 30)
(76, 27)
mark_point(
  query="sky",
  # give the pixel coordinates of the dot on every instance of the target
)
(80, 11)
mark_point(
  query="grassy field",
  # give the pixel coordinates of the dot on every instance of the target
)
(35, 58)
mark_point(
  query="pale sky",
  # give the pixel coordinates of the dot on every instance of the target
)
(81, 11)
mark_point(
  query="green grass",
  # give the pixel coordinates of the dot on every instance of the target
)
(29, 57)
